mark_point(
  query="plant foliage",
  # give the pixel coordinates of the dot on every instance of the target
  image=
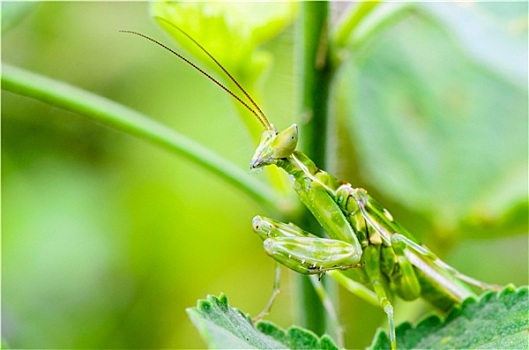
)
(224, 327)
(497, 320)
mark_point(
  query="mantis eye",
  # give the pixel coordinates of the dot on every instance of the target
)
(285, 142)
(256, 223)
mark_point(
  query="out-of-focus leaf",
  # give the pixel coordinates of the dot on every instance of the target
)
(496, 321)
(232, 33)
(495, 42)
(15, 12)
(224, 327)
(229, 31)
(365, 19)
(439, 133)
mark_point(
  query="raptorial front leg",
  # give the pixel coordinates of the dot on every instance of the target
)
(303, 252)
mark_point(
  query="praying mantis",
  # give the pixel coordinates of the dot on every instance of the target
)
(363, 237)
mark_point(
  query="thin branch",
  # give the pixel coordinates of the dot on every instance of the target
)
(119, 117)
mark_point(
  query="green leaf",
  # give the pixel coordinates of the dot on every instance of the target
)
(498, 320)
(224, 327)
(15, 12)
(443, 134)
(366, 19)
(492, 34)
(232, 33)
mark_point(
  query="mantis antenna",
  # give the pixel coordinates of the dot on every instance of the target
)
(260, 116)
(263, 117)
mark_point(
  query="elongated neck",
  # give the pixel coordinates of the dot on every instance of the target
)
(303, 171)
(298, 165)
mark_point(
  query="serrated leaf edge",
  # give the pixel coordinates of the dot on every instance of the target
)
(381, 334)
(222, 300)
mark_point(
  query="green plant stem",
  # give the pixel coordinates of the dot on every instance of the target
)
(119, 117)
(314, 74)
(314, 78)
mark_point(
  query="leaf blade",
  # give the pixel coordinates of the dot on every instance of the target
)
(496, 320)
(224, 327)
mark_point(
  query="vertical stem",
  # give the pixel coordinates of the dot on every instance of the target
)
(314, 74)
(314, 78)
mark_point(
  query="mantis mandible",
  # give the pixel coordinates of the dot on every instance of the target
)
(363, 237)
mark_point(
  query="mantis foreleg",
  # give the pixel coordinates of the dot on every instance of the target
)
(304, 252)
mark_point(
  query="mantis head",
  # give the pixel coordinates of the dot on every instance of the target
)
(274, 146)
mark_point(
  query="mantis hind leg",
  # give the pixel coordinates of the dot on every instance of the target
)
(383, 293)
(275, 292)
(320, 291)
(419, 249)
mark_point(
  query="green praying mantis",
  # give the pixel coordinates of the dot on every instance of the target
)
(363, 236)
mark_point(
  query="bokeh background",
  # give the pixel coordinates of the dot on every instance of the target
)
(106, 239)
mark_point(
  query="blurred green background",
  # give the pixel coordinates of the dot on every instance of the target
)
(107, 239)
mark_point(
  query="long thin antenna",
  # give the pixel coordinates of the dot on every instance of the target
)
(259, 118)
(263, 119)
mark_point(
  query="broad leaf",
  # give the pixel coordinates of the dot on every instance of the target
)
(230, 32)
(498, 320)
(439, 131)
(224, 327)
(15, 12)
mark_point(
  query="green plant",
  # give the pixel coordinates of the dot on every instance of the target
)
(401, 128)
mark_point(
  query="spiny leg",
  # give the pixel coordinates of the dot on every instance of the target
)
(312, 256)
(382, 221)
(302, 251)
(275, 292)
(372, 257)
(306, 253)
(437, 261)
(388, 309)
